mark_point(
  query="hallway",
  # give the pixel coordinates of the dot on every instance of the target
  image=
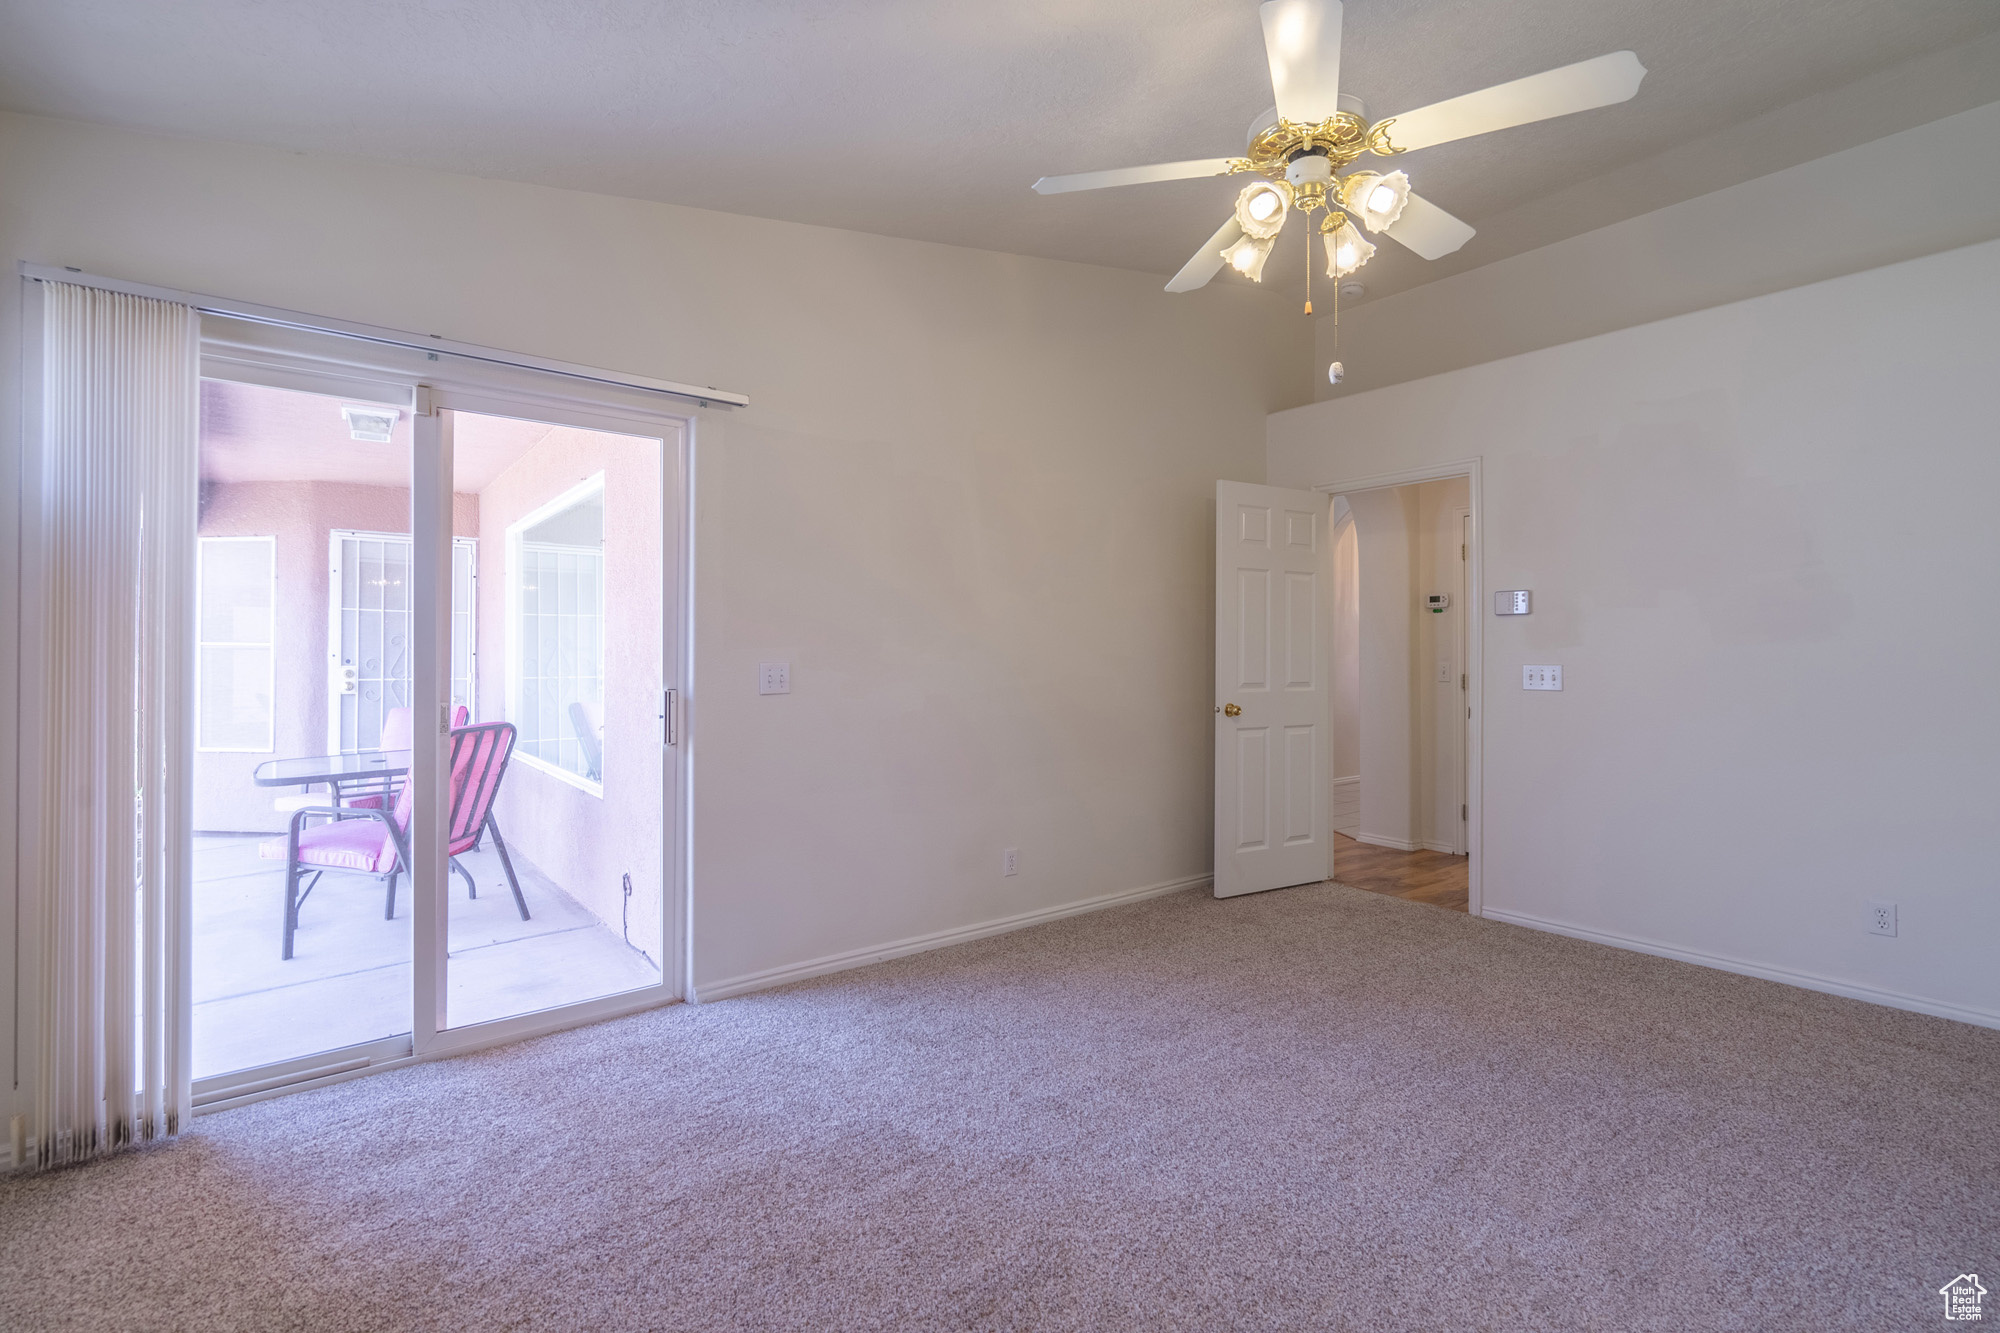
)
(1421, 877)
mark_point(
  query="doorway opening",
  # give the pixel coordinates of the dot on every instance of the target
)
(1401, 690)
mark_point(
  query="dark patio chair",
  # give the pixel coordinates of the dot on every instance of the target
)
(373, 841)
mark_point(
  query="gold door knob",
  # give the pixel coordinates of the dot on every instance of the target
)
(1231, 710)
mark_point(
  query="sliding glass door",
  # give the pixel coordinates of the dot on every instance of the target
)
(558, 776)
(439, 772)
(302, 902)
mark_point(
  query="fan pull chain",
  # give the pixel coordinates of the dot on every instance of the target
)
(1336, 310)
(1309, 264)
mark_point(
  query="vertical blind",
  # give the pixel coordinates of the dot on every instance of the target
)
(111, 1029)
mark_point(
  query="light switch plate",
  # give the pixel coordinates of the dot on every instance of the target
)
(1519, 602)
(774, 678)
(1446, 671)
(1541, 677)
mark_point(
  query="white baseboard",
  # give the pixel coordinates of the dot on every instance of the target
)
(1396, 844)
(841, 962)
(1441, 845)
(1984, 1018)
(1354, 781)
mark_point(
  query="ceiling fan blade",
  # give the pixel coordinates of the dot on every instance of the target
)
(1302, 42)
(1207, 261)
(1164, 171)
(1556, 92)
(1428, 229)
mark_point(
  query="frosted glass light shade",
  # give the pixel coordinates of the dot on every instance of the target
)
(1261, 209)
(1247, 256)
(1346, 250)
(1376, 199)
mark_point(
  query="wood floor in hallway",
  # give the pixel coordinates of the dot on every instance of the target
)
(1422, 877)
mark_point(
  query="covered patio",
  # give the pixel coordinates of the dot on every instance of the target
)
(348, 981)
(303, 666)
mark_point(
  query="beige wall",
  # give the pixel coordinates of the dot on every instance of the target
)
(1803, 224)
(1384, 525)
(1760, 543)
(1345, 705)
(1343, 789)
(1438, 660)
(971, 502)
(1397, 728)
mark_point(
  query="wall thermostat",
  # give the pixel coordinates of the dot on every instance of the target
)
(1437, 601)
(1511, 603)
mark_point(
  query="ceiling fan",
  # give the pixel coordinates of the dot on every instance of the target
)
(1301, 145)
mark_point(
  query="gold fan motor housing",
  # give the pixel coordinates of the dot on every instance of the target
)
(1341, 137)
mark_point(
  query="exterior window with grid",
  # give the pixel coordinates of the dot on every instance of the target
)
(236, 654)
(556, 602)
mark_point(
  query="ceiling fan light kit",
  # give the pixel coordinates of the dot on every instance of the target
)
(1262, 208)
(1300, 146)
(1346, 250)
(1376, 199)
(1247, 256)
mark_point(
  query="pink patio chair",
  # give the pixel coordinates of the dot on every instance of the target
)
(368, 840)
(376, 793)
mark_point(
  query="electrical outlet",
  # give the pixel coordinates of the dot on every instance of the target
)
(774, 678)
(1541, 677)
(1882, 919)
(1010, 860)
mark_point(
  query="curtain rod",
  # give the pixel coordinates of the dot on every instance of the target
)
(292, 319)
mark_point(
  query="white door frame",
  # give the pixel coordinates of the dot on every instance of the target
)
(676, 435)
(1462, 737)
(1475, 635)
(434, 394)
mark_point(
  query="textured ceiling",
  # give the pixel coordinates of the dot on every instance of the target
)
(930, 120)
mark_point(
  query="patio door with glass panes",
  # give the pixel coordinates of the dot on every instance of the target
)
(560, 786)
(439, 777)
(368, 635)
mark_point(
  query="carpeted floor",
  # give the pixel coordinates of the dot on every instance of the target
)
(1312, 1109)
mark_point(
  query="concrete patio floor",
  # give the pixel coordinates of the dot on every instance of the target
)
(349, 979)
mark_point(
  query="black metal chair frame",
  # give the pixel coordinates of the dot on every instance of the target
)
(295, 897)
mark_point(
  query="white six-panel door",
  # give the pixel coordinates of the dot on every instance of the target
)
(1271, 744)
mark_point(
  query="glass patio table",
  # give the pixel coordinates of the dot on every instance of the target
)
(335, 769)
